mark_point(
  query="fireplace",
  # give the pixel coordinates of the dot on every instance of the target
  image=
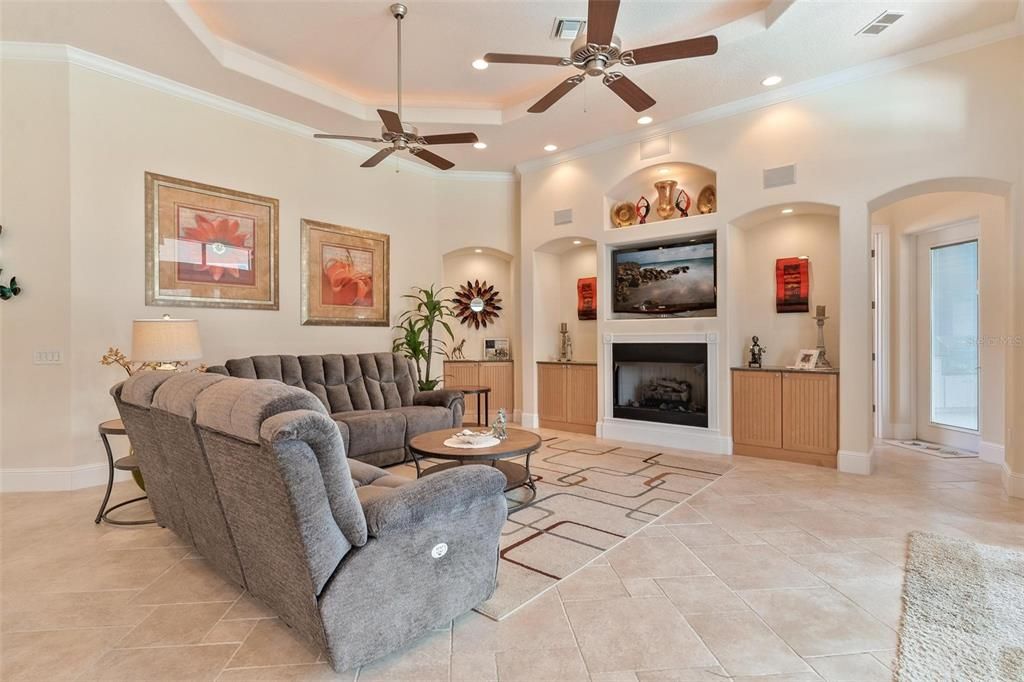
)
(665, 383)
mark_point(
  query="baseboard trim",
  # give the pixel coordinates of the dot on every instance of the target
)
(993, 453)
(48, 479)
(862, 463)
(530, 420)
(1013, 483)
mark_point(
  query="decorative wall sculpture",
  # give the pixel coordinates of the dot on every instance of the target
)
(477, 304)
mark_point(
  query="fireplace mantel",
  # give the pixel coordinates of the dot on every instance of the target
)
(697, 438)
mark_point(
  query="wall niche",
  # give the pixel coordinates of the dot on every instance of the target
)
(675, 191)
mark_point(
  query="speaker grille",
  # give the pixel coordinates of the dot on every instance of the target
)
(780, 176)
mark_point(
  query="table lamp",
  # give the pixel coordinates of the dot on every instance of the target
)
(162, 343)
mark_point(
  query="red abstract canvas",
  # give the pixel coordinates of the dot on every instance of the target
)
(792, 285)
(586, 298)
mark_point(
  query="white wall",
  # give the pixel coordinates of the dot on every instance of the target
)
(77, 144)
(905, 220)
(954, 117)
(784, 334)
(573, 265)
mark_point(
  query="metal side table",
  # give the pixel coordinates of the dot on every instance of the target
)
(115, 427)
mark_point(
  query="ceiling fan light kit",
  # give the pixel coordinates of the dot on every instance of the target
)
(598, 49)
(403, 136)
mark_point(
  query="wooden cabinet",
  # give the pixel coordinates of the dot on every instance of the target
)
(567, 396)
(788, 415)
(499, 376)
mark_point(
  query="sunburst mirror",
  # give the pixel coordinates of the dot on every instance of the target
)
(477, 303)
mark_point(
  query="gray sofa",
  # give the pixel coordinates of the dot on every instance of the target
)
(371, 396)
(359, 562)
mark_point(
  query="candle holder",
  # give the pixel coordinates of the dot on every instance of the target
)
(820, 318)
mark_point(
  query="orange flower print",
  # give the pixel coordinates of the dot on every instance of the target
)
(346, 286)
(223, 240)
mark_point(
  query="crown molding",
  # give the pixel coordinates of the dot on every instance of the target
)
(66, 54)
(928, 53)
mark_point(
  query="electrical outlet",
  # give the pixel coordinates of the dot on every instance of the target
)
(47, 357)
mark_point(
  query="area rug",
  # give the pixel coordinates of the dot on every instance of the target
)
(933, 449)
(963, 612)
(589, 499)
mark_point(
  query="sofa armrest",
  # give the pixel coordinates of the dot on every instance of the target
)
(218, 369)
(438, 398)
(441, 495)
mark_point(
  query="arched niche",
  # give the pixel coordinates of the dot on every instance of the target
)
(558, 264)
(756, 241)
(495, 267)
(689, 177)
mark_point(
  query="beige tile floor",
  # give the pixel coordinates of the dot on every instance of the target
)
(776, 572)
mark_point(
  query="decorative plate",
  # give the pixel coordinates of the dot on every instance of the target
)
(624, 214)
(707, 201)
(476, 304)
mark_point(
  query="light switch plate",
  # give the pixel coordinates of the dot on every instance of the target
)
(47, 357)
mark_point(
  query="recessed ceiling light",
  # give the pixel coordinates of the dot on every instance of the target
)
(771, 80)
(577, 242)
(480, 64)
(663, 171)
(551, 148)
(478, 250)
(480, 145)
(644, 120)
(787, 211)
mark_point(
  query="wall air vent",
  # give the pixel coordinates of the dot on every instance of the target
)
(563, 216)
(880, 23)
(780, 176)
(567, 28)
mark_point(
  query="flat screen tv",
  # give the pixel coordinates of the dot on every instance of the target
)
(668, 279)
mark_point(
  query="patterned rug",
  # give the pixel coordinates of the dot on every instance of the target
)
(589, 499)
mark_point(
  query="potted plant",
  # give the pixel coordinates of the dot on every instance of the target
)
(418, 339)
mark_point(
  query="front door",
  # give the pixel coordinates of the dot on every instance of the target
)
(948, 371)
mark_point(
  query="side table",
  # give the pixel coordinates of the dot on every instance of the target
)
(115, 427)
(478, 391)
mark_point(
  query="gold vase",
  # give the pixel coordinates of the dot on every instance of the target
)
(666, 189)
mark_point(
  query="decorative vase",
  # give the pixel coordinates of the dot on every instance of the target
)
(666, 191)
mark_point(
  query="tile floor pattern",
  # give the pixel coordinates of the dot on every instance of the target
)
(776, 572)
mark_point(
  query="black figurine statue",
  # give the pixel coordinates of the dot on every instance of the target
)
(756, 353)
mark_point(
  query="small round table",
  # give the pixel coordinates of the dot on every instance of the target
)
(115, 427)
(518, 444)
(478, 391)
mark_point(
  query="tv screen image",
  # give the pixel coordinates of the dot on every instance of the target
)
(670, 279)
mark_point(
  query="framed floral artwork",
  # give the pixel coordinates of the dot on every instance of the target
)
(209, 247)
(344, 275)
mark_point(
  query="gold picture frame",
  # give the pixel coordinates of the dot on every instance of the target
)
(210, 247)
(345, 276)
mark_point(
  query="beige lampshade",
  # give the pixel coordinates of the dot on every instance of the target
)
(165, 340)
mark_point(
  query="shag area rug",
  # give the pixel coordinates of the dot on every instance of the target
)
(590, 497)
(963, 612)
(933, 449)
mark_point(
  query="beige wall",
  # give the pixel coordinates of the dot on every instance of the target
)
(461, 267)
(903, 222)
(814, 236)
(77, 144)
(574, 264)
(851, 144)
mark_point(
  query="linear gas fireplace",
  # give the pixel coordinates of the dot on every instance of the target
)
(661, 382)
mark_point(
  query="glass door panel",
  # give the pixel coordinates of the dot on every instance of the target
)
(954, 335)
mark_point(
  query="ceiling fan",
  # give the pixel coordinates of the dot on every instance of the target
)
(402, 135)
(598, 49)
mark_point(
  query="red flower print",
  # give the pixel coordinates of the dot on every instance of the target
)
(217, 234)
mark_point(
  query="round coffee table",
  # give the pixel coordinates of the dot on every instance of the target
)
(518, 444)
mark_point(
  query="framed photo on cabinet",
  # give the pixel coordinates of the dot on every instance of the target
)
(209, 247)
(345, 275)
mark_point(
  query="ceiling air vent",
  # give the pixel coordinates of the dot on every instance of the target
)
(567, 28)
(880, 23)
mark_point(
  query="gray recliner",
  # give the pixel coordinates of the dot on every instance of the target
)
(371, 396)
(357, 561)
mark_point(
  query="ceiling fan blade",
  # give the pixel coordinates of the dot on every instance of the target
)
(450, 138)
(560, 91)
(681, 49)
(325, 136)
(500, 58)
(391, 120)
(631, 93)
(432, 158)
(378, 157)
(601, 15)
